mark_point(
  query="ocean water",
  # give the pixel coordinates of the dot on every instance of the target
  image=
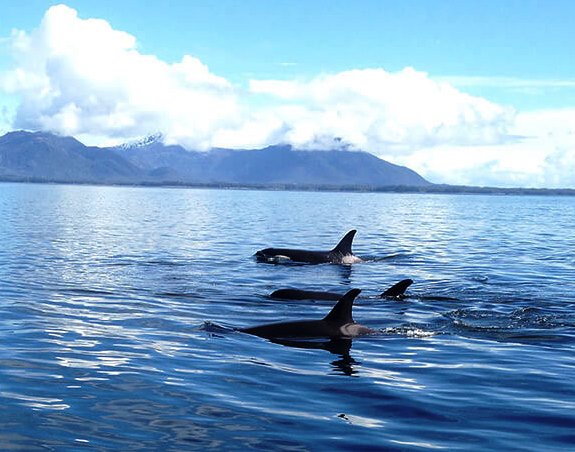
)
(119, 308)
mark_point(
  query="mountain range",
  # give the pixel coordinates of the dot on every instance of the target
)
(45, 157)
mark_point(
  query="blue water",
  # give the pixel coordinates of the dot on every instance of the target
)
(118, 307)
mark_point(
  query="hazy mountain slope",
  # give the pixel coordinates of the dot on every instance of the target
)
(44, 156)
(48, 157)
(272, 165)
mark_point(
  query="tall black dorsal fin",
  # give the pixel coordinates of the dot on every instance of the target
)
(341, 312)
(344, 245)
(398, 289)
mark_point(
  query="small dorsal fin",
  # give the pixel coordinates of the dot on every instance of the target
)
(398, 289)
(344, 245)
(341, 312)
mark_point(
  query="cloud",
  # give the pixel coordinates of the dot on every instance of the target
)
(379, 111)
(552, 133)
(77, 76)
(542, 155)
(82, 77)
(507, 82)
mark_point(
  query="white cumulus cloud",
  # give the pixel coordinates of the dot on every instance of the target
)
(383, 112)
(541, 155)
(80, 76)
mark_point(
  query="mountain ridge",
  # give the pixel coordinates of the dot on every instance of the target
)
(43, 156)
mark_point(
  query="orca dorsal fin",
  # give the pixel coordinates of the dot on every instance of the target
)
(397, 290)
(344, 245)
(341, 312)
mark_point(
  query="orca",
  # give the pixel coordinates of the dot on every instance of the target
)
(396, 291)
(338, 323)
(341, 254)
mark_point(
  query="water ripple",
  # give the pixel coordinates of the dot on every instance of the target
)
(120, 309)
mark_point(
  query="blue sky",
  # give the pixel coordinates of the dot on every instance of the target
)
(505, 67)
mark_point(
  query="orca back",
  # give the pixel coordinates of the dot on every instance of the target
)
(296, 294)
(330, 326)
(337, 255)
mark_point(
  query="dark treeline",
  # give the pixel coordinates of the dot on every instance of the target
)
(430, 189)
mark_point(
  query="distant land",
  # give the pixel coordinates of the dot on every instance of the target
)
(43, 157)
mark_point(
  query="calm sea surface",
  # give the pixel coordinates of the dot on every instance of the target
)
(118, 309)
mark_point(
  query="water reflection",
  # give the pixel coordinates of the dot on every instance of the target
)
(345, 272)
(345, 366)
(336, 346)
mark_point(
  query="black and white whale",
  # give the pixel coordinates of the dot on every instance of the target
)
(396, 291)
(338, 323)
(341, 254)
